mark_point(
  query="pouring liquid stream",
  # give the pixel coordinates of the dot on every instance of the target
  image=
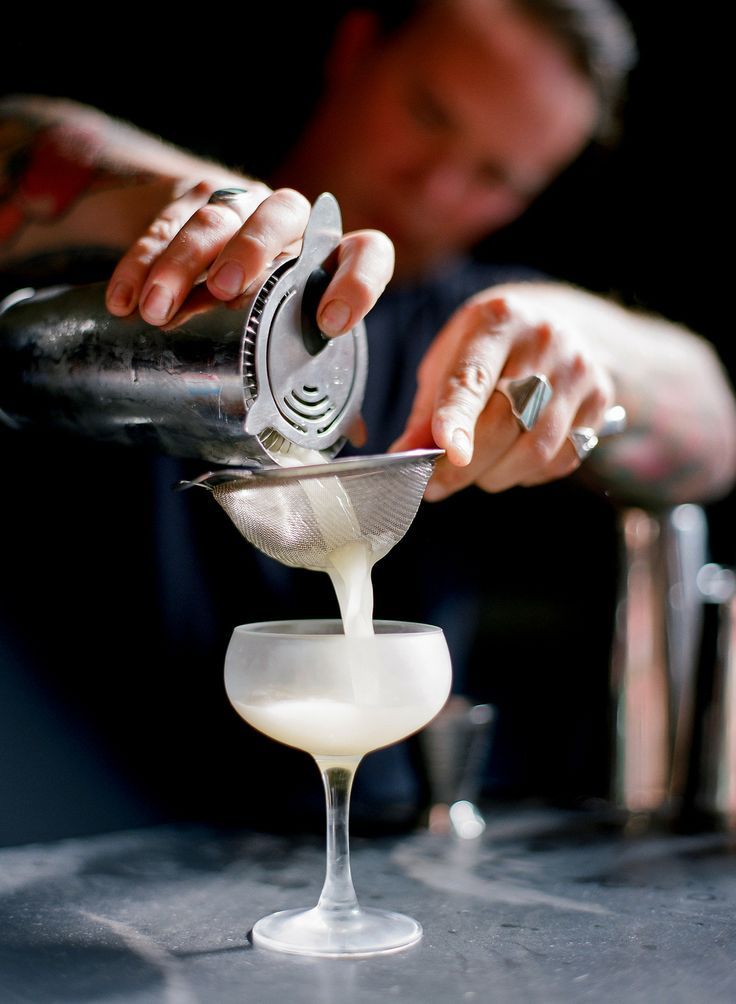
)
(349, 565)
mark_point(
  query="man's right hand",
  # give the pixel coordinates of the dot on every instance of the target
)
(233, 243)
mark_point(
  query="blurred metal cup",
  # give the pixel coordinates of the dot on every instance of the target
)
(455, 749)
(655, 659)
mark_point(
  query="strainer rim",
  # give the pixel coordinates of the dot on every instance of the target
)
(336, 467)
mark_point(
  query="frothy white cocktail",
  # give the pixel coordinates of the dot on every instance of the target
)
(337, 695)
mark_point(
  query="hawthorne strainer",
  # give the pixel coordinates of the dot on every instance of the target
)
(301, 515)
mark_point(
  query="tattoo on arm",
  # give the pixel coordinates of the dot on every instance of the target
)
(45, 168)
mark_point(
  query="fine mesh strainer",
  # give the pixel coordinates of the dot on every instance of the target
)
(301, 515)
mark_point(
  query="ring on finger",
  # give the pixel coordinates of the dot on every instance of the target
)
(226, 196)
(583, 439)
(527, 396)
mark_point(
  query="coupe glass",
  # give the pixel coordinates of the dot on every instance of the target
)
(336, 696)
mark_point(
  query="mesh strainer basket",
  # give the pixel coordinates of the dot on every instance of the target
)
(300, 515)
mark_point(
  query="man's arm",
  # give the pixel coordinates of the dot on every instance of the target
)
(72, 178)
(680, 443)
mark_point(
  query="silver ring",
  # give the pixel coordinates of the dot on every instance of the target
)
(527, 397)
(226, 196)
(584, 439)
(614, 421)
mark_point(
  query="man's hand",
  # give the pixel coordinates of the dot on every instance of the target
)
(501, 334)
(233, 242)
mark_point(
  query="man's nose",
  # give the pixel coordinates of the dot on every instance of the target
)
(442, 182)
(435, 174)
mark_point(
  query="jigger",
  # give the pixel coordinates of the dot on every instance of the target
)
(455, 749)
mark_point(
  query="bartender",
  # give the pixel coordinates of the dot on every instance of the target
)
(437, 128)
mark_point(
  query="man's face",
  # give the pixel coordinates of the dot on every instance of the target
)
(447, 130)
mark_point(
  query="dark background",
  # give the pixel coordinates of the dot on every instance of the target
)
(640, 222)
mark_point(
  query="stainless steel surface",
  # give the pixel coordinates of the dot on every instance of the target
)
(545, 908)
(225, 383)
(300, 516)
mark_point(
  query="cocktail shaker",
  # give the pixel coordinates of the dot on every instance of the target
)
(242, 383)
(713, 782)
(655, 660)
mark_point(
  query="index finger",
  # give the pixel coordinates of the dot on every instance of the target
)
(273, 227)
(452, 395)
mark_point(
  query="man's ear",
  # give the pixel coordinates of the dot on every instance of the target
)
(355, 38)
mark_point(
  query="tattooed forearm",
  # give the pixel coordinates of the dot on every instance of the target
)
(45, 169)
(73, 177)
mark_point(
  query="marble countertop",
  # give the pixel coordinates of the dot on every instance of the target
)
(546, 906)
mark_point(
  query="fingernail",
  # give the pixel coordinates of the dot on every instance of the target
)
(229, 279)
(158, 303)
(461, 444)
(335, 317)
(121, 295)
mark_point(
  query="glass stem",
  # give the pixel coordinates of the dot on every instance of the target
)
(338, 894)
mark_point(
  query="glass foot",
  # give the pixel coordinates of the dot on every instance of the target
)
(319, 932)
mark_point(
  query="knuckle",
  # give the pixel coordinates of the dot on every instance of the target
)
(489, 483)
(472, 379)
(540, 450)
(573, 368)
(370, 245)
(161, 231)
(250, 249)
(202, 189)
(579, 364)
(378, 241)
(147, 248)
(599, 399)
(252, 244)
(490, 310)
(292, 200)
(474, 313)
(545, 336)
(212, 217)
(367, 259)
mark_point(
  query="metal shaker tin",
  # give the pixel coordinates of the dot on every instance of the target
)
(239, 383)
